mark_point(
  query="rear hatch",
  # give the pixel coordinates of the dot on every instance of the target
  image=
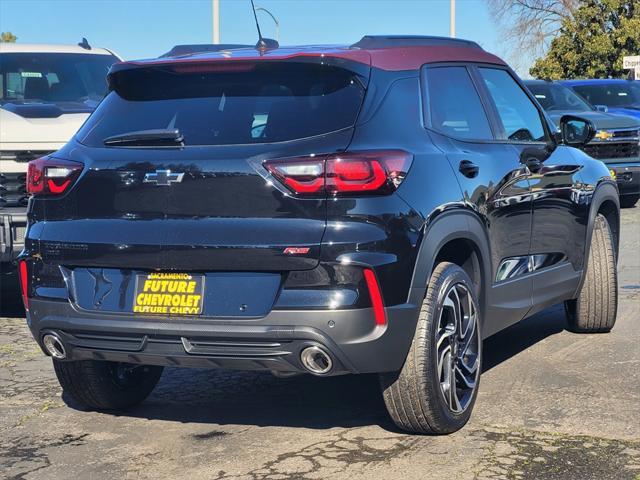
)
(197, 197)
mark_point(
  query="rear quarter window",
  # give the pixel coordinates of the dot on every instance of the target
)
(453, 104)
(257, 103)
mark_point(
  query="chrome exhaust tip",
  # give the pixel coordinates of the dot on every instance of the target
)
(316, 360)
(54, 346)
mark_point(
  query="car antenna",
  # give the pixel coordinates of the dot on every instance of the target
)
(263, 43)
(84, 44)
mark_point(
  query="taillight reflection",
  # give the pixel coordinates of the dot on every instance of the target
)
(51, 176)
(378, 172)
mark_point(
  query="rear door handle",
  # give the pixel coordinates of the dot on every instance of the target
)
(468, 169)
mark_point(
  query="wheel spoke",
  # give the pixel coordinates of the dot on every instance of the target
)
(451, 384)
(442, 337)
(457, 314)
(469, 317)
(469, 383)
(470, 333)
(455, 406)
(470, 368)
(443, 357)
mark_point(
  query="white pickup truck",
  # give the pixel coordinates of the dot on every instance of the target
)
(46, 94)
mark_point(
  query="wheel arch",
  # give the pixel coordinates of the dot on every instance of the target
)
(457, 236)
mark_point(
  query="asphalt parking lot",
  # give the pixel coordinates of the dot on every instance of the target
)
(552, 405)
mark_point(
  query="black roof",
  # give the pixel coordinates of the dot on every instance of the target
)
(390, 41)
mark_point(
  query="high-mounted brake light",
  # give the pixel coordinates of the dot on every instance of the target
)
(377, 172)
(51, 176)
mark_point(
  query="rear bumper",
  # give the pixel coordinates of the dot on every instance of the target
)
(273, 342)
(13, 225)
(627, 177)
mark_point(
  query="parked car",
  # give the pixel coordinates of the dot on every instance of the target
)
(619, 96)
(617, 140)
(323, 210)
(46, 93)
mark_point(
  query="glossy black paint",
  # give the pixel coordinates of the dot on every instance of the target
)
(229, 220)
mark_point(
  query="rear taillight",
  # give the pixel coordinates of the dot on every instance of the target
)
(24, 283)
(51, 176)
(377, 172)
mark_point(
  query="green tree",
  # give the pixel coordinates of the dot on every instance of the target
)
(593, 42)
(7, 37)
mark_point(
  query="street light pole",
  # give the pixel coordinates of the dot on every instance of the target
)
(216, 21)
(452, 25)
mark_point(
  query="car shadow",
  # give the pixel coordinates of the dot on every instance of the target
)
(517, 338)
(223, 397)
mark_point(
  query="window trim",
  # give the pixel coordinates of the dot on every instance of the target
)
(426, 104)
(487, 102)
(503, 134)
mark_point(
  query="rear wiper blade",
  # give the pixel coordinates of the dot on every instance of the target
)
(159, 137)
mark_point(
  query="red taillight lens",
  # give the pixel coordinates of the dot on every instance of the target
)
(378, 172)
(24, 283)
(376, 297)
(51, 176)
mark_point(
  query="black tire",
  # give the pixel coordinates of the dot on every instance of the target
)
(415, 397)
(106, 385)
(595, 309)
(628, 201)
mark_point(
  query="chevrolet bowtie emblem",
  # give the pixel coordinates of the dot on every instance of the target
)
(163, 177)
(603, 135)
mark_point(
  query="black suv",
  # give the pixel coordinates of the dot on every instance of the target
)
(375, 208)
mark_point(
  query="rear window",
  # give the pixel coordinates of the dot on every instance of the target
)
(612, 94)
(54, 77)
(230, 103)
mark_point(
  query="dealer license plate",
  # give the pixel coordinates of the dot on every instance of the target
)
(169, 294)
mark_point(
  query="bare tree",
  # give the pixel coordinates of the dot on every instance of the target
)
(530, 25)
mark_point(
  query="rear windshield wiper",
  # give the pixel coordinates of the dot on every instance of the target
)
(147, 138)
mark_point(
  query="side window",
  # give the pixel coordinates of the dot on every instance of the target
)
(520, 117)
(454, 105)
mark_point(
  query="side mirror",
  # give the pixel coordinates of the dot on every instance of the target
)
(602, 108)
(576, 131)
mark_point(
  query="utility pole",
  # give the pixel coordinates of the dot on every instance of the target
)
(216, 21)
(452, 25)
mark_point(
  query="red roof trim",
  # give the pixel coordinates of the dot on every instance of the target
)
(390, 59)
(412, 58)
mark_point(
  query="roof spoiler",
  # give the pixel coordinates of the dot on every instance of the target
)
(387, 41)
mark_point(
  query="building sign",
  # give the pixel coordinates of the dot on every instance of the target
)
(632, 62)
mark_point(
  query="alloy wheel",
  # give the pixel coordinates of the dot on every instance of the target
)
(458, 348)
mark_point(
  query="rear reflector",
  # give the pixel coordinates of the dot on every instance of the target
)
(376, 297)
(51, 176)
(24, 283)
(376, 172)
